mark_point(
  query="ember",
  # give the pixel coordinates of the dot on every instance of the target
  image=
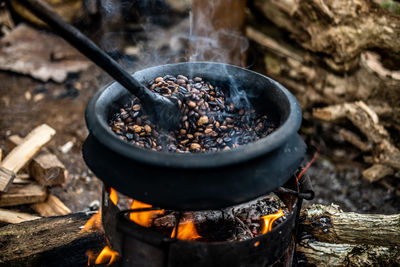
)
(213, 118)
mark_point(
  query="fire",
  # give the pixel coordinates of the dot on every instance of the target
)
(186, 231)
(269, 220)
(106, 256)
(93, 223)
(143, 218)
(113, 196)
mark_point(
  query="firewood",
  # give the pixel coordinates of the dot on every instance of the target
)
(22, 178)
(327, 254)
(386, 156)
(335, 24)
(45, 167)
(1, 154)
(9, 216)
(6, 179)
(329, 224)
(19, 194)
(23, 153)
(354, 139)
(39, 242)
(53, 241)
(249, 210)
(377, 172)
(53, 206)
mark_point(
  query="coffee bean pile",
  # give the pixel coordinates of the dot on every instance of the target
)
(211, 121)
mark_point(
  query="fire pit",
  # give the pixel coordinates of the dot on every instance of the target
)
(204, 180)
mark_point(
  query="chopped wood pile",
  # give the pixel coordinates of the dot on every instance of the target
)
(342, 56)
(24, 174)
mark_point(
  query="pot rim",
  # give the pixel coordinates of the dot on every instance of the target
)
(103, 133)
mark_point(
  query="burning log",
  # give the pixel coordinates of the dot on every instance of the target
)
(45, 167)
(23, 153)
(213, 225)
(55, 241)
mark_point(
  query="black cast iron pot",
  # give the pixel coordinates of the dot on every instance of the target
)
(200, 180)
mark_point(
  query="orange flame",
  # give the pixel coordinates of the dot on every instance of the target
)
(93, 223)
(143, 218)
(106, 256)
(113, 196)
(186, 231)
(269, 220)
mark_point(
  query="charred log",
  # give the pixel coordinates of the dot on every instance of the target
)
(54, 241)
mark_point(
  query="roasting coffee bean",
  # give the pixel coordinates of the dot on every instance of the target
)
(211, 121)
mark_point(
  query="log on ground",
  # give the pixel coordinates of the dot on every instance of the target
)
(329, 224)
(53, 241)
(327, 254)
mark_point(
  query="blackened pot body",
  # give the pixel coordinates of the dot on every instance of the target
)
(199, 180)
